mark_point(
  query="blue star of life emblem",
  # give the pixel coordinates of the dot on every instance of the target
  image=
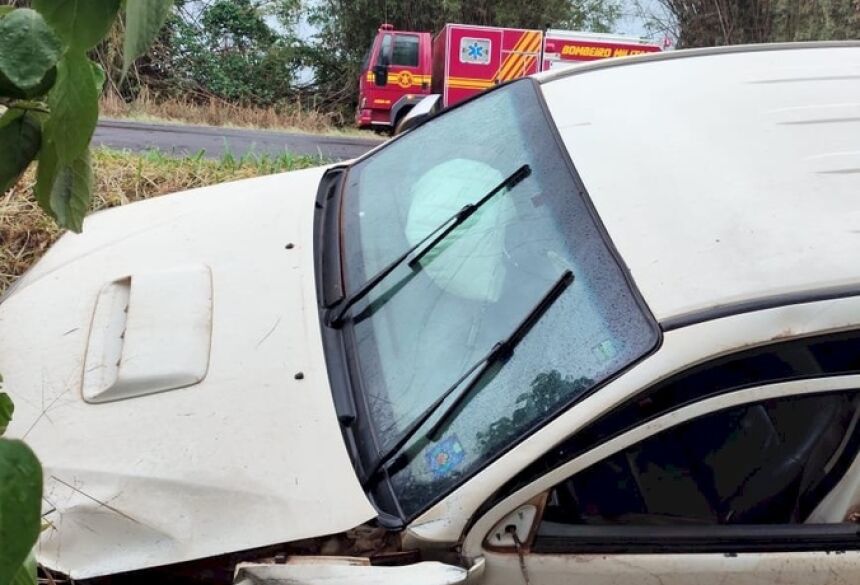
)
(475, 50)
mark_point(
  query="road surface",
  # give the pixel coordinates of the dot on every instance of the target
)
(214, 141)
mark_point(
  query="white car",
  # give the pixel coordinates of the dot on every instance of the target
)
(598, 326)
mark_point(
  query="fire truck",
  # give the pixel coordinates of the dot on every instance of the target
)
(403, 67)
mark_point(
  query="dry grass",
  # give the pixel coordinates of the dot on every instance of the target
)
(26, 231)
(212, 111)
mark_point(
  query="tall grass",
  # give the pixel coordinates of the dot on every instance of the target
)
(212, 111)
(121, 178)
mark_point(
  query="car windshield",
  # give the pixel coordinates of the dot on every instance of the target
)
(423, 326)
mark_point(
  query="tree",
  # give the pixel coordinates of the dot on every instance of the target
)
(228, 48)
(50, 90)
(702, 23)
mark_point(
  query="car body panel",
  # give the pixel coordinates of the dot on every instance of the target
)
(349, 571)
(808, 568)
(250, 456)
(738, 170)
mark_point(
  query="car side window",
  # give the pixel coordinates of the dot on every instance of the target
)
(833, 354)
(384, 57)
(760, 463)
(405, 51)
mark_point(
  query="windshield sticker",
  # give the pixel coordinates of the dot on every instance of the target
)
(605, 350)
(445, 456)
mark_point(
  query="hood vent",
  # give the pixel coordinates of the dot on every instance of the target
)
(150, 333)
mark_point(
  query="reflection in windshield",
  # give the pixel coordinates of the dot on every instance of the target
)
(423, 327)
(546, 390)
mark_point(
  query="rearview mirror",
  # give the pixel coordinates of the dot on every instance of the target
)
(420, 113)
(380, 74)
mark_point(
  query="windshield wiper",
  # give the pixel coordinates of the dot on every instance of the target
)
(449, 224)
(500, 353)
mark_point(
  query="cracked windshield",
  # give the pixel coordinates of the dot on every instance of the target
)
(426, 325)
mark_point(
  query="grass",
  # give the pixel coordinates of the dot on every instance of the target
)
(211, 111)
(26, 231)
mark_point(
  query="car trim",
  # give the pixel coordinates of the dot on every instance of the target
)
(725, 539)
(760, 304)
(602, 64)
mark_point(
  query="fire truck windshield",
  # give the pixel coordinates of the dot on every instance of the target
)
(426, 323)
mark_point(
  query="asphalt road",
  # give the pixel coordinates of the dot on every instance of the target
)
(214, 141)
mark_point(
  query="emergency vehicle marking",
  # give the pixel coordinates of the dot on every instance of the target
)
(583, 51)
(403, 78)
(470, 83)
(475, 50)
(514, 64)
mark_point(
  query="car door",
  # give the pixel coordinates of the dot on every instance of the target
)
(721, 478)
(400, 53)
(729, 494)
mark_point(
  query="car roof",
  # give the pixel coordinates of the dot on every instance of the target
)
(728, 179)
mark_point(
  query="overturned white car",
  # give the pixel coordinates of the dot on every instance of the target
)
(599, 326)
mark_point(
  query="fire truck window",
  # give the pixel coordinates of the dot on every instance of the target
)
(384, 57)
(405, 51)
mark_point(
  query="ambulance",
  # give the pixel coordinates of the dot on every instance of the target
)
(403, 67)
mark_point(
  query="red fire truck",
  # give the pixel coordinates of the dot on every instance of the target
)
(402, 67)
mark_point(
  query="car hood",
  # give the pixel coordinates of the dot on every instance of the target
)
(167, 368)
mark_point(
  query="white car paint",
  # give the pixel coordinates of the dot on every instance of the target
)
(735, 174)
(349, 572)
(250, 456)
(150, 332)
(812, 568)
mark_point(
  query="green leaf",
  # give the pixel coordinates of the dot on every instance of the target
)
(143, 20)
(10, 116)
(20, 139)
(4, 10)
(99, 76)
(74, 105)
(70, 197)
(20, 506)
(46, 173)
(80, 23)
(26, 574)
(63, 189)
(6, 410)
(9, 89)
(28, 48)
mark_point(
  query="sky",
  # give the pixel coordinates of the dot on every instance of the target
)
(632, 21)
